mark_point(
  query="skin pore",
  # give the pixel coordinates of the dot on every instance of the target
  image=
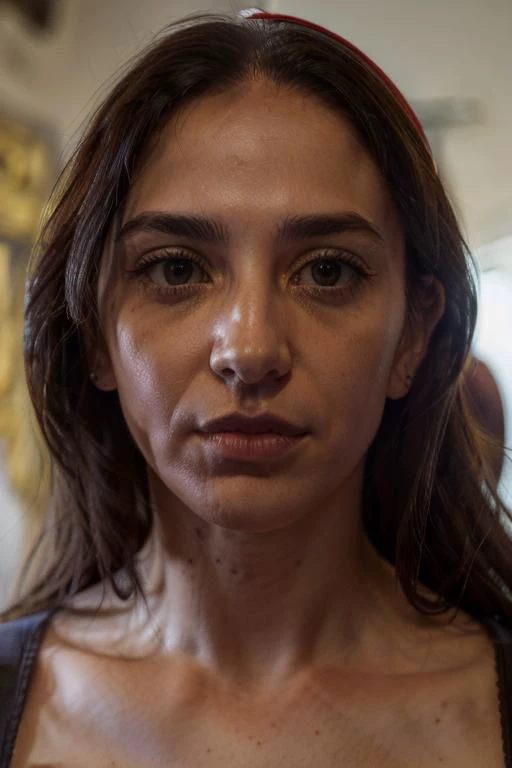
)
(283, 630)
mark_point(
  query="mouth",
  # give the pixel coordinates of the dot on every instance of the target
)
(262, 424)
(243, 438)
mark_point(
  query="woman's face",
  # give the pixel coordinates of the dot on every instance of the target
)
(260, 267)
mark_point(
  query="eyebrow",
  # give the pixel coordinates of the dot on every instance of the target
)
(208, 230)
(326, 225)
(191, 227)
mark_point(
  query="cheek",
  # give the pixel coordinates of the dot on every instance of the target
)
(152, 366)
(353, 368)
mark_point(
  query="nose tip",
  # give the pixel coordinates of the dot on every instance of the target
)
(250, 365)
(250, 335)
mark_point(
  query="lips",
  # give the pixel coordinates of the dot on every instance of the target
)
(253, 425)
(250, 439)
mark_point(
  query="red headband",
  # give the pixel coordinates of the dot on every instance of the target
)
(378, 71)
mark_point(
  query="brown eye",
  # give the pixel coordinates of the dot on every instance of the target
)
(329, 273)
(178, 270)
(174, 271)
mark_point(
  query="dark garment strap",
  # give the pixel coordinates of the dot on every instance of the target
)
(19, 644)
(502, 638)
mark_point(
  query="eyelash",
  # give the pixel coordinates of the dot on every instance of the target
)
(360, 272)
(146, 263)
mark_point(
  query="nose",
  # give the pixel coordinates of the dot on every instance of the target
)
(250, 344)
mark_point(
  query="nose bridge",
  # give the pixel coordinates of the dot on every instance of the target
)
(250, 329)
(253, 303)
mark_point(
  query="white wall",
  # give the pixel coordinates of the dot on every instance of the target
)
(12, 532)
(492, 337)
(109, 32)
(444, 48)
(35, 69)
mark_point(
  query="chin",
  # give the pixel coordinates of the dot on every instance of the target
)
(253, 510)
(244, 521)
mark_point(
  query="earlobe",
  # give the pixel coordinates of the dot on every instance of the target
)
(101, 373)
(399, 384)
(103, 380)
(411, 354)
(416, 338)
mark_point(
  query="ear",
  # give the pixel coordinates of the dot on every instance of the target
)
(101, 371)
(413, 346)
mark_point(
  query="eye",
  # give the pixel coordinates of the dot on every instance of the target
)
(174, 271)
(329, 272)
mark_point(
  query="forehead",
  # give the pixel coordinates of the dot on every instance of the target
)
(257, 153)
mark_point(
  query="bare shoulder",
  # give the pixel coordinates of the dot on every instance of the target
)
(435, 700)
(93, 710)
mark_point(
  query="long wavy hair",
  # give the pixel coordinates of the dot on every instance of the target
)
(430, 506)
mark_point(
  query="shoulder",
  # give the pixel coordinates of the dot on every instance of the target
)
(81, 698)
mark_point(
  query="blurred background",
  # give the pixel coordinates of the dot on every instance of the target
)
(451, 58)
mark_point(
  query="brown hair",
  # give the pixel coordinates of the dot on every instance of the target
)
(430, 507)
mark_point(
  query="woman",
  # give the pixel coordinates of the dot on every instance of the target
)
(274, 540)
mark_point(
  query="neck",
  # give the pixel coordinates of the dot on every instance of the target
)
(279, 600)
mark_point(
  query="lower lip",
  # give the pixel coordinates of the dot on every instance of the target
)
(240, 446)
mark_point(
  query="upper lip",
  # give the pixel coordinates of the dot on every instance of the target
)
(265, 422)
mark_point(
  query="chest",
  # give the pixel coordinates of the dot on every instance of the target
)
(143, 715)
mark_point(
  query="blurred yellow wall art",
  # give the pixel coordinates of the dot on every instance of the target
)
(27, 167)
